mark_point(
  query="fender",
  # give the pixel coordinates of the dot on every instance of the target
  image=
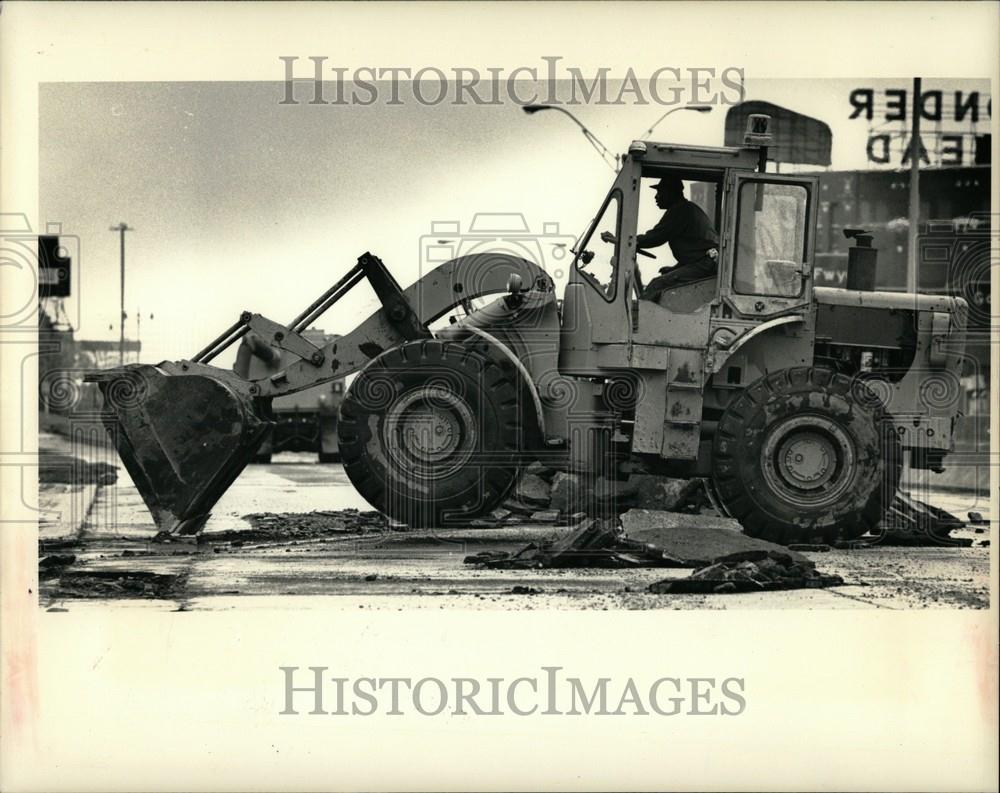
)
(525, 375)
(718, 355)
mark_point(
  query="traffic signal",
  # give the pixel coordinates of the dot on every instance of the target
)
(53, 268)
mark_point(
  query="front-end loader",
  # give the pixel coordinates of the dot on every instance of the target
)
(796, 403)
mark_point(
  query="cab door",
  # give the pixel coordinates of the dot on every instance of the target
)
(769, 244)
(596, 329)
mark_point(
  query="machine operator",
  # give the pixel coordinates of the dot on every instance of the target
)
(692, 238)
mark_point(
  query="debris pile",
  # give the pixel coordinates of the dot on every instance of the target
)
(53, 565)
(545, 495)
(727, 560)
(120, 583)
(284, 526)
(595, 543)
(909, 521)
(749, 571)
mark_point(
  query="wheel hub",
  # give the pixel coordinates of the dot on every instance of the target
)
(430, 434)
(430, 431)
(808, 460)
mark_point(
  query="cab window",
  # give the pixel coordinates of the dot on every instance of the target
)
(771, 238)
(598, 257)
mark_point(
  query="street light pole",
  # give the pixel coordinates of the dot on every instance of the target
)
(694, 108)
(592, 139)
(121, 228)
(913, 259)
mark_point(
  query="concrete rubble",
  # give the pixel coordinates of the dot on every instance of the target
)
(642, 538)
(749, 571)
(544, 495)
(281, 527)
(120, 583)
(595, 543)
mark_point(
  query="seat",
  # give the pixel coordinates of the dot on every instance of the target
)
(688, 298)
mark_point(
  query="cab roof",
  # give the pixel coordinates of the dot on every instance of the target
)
(678, 156)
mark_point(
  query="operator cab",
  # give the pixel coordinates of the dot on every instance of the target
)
(731, 228)
(762, 267)
(598, 260)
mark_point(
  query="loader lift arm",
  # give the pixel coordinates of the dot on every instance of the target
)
(405, 314)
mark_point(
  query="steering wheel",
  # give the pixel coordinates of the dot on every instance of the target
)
(607, 236)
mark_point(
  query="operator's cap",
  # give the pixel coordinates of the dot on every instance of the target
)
(672, 184)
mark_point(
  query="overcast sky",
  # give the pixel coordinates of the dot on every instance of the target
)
(240, 202)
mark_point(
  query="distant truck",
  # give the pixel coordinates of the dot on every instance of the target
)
(305, 421)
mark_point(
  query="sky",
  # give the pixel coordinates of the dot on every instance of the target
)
(239, 202)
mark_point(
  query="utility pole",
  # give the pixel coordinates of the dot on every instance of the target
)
(913, 259)
(121, 228)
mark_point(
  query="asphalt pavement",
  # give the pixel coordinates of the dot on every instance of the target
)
(110, 559)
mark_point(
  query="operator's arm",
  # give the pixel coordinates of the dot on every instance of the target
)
(662, 232)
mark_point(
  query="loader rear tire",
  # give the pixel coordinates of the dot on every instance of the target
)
(429, 432)
(806, 455)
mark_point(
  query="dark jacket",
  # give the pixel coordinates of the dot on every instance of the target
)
(688, 230)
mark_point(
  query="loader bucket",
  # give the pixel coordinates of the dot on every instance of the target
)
(183, 438)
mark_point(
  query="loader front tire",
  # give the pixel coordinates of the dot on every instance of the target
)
(806, 455)
(430, 433)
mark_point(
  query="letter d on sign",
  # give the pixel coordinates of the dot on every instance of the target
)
(878, 149)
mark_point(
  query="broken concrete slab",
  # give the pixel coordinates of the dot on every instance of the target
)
(545, 516)
(565, 492)
(637, 520)
(519, 507)
(695, 539)
(532, 490)
(540, 469)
